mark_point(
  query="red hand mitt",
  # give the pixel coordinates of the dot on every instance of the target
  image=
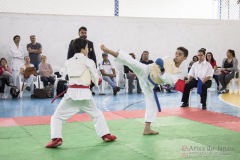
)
(179, 86)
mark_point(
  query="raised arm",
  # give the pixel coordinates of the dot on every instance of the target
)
(109, 51)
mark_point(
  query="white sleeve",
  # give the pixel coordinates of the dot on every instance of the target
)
(92, 68)
(210, 71)
(183, 69)
(192, 70)
(168, 79)
(16, 53)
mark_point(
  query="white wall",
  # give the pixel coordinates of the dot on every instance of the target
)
(159, 36)
(204, 9)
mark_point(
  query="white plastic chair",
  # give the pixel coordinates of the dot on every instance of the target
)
(6, 93)
(198, 97)
(23, 84)
(61, 72)
(234, 84)
(104, 84)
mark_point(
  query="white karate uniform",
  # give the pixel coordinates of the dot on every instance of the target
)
(17, 54)
(81, 70)
(142, 71)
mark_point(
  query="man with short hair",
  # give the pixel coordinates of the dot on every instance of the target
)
(35, 51)
(200, 73)
(108, 72)
(145, 58)
(82, 32)
(17, 53)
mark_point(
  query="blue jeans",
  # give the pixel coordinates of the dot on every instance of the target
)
(111, 80)
(36, 64)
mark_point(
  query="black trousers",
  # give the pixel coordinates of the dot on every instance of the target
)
(45, 80)
(193, 83)
(91, 86)
(3, 82)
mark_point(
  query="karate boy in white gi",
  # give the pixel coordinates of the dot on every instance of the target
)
(81, 71)
(175, 68)
(150, 76)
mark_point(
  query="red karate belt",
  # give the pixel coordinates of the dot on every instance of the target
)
(70, 86)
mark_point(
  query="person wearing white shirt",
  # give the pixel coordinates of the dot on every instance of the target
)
(108, 72)
(17, 53)
(202, 70)
(30, 80)
(81, 71)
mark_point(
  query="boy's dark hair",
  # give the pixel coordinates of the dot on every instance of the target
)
(82, 28)
(184, 50)
(16, 37)
(79, 44)
(202, 51)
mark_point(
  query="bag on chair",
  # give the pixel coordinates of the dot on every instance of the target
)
(14, 91)
(28, 71)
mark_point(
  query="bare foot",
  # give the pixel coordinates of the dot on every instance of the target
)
(150, 132)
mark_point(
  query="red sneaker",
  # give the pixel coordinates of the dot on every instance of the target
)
(109, 138)
(54, 143)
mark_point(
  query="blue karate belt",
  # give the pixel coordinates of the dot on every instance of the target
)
(199, 86)
(155, 93)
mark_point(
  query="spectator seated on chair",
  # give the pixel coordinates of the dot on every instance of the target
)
(109, 73)
(31, 78)
(130, 77)
(6, 77)
(212, 61)
(229, 67)
(200, 71)
(46, 72)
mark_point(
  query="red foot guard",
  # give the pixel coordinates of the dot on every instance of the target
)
(109, 138)
(54, 143)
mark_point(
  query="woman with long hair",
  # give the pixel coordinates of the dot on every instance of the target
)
(212, 61)
(229, 67)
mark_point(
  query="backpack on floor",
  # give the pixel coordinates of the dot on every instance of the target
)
(61, 86)
(14, 91)
(46, 92)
